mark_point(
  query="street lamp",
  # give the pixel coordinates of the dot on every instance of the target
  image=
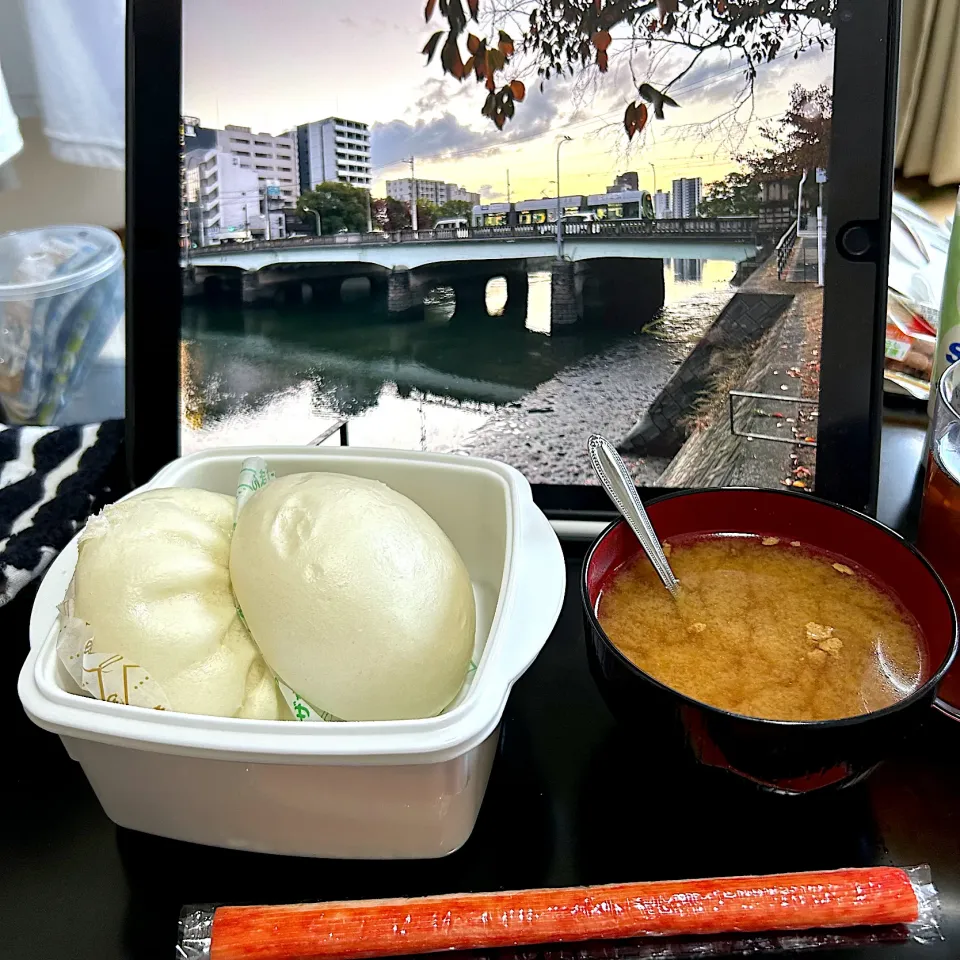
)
(413, 192)
(316, 214)
(654, 169)
(266, 213)
(564, 139)
(810, 110)
(803, 180)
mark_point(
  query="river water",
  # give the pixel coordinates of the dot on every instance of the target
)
(285, 373)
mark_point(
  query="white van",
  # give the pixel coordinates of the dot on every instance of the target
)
(452, 227)
(579, 223)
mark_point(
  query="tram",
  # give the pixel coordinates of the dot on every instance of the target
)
(576, 208)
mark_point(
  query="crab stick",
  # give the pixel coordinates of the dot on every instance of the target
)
(479, 921)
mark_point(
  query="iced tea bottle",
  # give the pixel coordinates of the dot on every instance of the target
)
(939, 537)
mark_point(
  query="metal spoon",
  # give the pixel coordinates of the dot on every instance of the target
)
(616, 480)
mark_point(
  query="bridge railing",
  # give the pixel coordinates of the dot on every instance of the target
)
(727, 228)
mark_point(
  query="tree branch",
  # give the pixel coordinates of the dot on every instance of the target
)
(564, 36)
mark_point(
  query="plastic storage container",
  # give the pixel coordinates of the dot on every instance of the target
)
(384, 789)
(61, 296)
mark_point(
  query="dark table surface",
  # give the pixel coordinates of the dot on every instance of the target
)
(573, 799)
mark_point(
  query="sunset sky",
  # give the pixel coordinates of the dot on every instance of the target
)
(271, 64)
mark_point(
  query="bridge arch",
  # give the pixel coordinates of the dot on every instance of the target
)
(496, 295)
(214, 284)
(441, 300)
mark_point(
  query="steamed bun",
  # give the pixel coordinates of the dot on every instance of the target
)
(356, 598)
(153, 582)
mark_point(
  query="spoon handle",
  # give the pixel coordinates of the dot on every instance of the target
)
(616, 480)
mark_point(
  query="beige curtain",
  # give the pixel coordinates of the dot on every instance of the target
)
(928, 115)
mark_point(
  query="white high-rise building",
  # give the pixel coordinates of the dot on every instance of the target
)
(223, 198)
(272, 158)
(434, 191)
(333, 150)
(687, 192)
(661, 206)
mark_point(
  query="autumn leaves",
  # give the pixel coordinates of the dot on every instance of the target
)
(579, 29)
(484, 60)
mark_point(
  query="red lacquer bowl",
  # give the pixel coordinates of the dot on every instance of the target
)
(785, 756)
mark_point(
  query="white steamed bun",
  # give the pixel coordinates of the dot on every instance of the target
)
(355, 596)
(153, 582)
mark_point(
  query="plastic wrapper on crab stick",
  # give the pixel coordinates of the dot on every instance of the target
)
(670, 918)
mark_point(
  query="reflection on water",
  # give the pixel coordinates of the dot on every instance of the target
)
(687, 271)
(284, 373)
(681, 277)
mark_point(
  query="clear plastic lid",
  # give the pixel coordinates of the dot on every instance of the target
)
(50, 260)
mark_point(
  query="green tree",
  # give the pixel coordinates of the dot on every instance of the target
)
(799, 141)
(340, 205)
(736, 195)
(427, 214)
(455, 208)
(563, 38)
(390, 214)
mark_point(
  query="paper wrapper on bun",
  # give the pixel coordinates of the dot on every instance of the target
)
(355, 596)
(150, 618)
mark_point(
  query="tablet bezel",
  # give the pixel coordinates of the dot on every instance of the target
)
(861, 169)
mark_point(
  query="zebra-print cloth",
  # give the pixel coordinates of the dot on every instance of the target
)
(51, 480)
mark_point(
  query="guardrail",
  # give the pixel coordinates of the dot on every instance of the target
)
(785, 248)
(339, 427)
(732, 228)
(780, 399)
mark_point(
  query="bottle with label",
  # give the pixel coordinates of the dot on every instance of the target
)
(948, 336)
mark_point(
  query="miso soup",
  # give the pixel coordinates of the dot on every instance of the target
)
(766, 628)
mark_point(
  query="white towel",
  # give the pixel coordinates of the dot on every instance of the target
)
(11, 143)
(78, 48)
(64, 60)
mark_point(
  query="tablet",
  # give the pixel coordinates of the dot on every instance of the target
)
(451, 228)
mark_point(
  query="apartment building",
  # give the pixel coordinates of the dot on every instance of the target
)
(334, 149)
(687, 193)
(433, 191)
(273, 159)
(223, 198)
(661, 206)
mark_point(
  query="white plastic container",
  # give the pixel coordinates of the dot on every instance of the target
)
(61, 296)
(377, 790)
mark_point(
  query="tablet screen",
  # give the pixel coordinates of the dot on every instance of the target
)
(497, 234)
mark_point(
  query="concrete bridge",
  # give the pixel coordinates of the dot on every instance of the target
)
(610, 272)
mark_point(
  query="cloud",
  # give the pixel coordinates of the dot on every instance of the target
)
(443, 136)
(812, 58)
(440, 137)
(538, 111)
(718, 79)
(437, 93)
(489, 192)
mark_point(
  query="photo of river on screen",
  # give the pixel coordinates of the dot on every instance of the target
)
(415, 228)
